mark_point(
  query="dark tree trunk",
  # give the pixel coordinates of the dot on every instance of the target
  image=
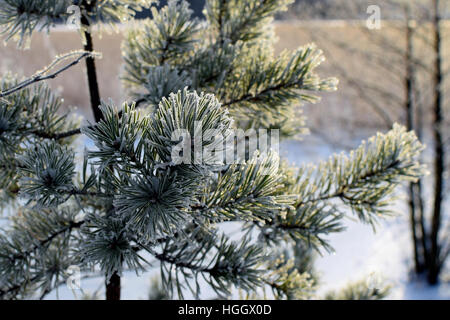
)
(418, 125)
(423, 233)
(409, 109)
(113, 287)
(94, 91)
(439, 156)
(424, 237)
(418, 266)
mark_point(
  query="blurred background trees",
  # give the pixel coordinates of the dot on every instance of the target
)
(406, 78)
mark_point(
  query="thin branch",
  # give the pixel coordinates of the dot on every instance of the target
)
(78, 192)
(41, 76)
(172, 260)
(57, 136)
(72, 225)
(256, 97)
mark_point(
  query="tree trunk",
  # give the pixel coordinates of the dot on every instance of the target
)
(113, 287)
(94, 91)
(439, 156)
(419, 201)
(409, 109)
(418, 266)
(423, 233)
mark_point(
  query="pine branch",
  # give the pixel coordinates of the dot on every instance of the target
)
(359, 291)
(31, 232)
(180, 264)
(77, 131)
(233, 196)
(72, 225)
(341, 191)
(219, 261)
(17, 287)
(364, 182)
(274, 85)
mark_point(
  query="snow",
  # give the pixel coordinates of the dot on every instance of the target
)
(362, 253)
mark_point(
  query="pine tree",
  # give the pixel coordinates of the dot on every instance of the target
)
(129, 202)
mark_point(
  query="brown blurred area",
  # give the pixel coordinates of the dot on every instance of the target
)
(344, 114)
(71, 84)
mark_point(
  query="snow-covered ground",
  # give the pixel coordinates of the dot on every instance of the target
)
(360, 253)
